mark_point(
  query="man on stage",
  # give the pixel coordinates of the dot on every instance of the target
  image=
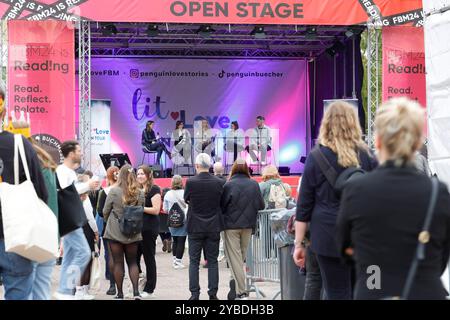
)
(260, 140)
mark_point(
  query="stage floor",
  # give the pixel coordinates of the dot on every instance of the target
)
(291, 180)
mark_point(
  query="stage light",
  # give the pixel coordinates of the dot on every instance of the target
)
(108, 29)
(205, 30)
(290, 153)
(258, 32)
(311, 33)
(152, 30)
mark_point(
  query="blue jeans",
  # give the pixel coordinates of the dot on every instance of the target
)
(77, 255)
(42, 280)
(16, 272)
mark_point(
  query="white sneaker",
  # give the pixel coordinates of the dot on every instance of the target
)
(61, 296)
(146, 295)
(81, 294)
(88, 296)
(178, 265)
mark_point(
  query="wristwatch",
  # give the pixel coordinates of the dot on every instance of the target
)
(299, 244)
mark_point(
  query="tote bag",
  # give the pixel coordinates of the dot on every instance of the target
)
(29, 225)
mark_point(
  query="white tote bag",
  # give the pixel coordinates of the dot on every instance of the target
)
(30, 227)
(96, 272)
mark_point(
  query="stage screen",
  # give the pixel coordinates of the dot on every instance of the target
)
(218, 90)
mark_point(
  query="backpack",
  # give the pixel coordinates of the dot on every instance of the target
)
(130, 224)
(337, 181)
(176, 216)
(277, 197)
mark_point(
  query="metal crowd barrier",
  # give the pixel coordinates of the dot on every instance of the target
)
(262, 256)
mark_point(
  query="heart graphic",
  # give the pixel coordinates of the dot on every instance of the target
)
(174, 115)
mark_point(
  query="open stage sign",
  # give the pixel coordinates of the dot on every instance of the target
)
(42, 77)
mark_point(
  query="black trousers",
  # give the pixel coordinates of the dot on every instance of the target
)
(148, 250)
(209, 242)
(336, 278)
(178, 246)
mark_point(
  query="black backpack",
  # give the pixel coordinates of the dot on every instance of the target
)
(176, 216)
(337, 181)
(130, 224)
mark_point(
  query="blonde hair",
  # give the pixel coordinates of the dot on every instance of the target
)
(177, 182)
(341, 132)
(270, 172)
(399, 125)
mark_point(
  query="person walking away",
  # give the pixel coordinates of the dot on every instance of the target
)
(76, 248)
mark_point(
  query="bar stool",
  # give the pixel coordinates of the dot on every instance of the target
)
(147, 153)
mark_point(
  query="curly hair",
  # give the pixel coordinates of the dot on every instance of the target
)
(341, 132)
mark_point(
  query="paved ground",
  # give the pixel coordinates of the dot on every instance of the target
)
(173, 284)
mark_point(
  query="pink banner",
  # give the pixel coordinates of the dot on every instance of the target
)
(42, 78)
(404, 63)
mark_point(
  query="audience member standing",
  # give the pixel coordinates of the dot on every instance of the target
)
(126, 193)
(241, 201)
(204, 224)
(341, 145)
(179, 234)
(383, 212)
(151, 226)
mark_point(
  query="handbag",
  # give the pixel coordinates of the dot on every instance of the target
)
(131, 222)
(30, 227)
(71, 211)
(96, 271)
(423, 239)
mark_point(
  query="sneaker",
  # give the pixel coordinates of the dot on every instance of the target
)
(81, 294)
(242, 296)
(232, 292)
(179, 265)
(147, 295)
(61, 296)
(213, 297)
(194, 297)
(87, 296)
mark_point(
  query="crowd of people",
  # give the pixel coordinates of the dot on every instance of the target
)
(340, 232)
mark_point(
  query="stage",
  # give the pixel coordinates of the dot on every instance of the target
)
(291, 180)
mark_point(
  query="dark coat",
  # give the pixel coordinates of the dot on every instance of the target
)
(203, 193)
(319, 204)
(381, 216)
(241, 201)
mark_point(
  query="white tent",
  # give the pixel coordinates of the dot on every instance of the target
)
(437, 55)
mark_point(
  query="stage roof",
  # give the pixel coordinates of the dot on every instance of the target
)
(277, 41)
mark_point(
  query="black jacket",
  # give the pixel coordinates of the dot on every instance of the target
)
(241, 200)
(203, 193)
(148, 137)
(7, 164)
(319, 204)
(381, 215)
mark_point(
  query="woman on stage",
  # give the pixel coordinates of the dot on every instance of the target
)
(234, 141)
(181, 152)
(204, 139)
(151, 142)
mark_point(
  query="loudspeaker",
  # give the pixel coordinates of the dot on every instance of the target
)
(157, 171)
(284, 171)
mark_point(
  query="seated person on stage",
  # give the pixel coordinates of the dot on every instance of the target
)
(260, 140)
(204, 140)
(153, 143)
(234, 141)
(181, 152)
